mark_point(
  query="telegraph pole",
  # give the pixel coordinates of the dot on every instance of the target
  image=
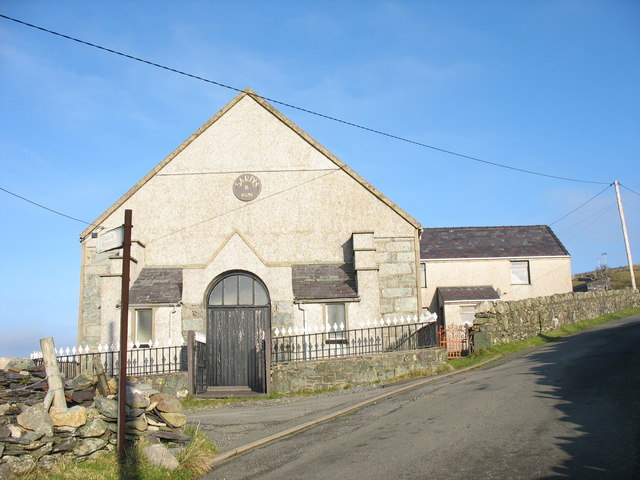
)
(624, 234)
(124, 335)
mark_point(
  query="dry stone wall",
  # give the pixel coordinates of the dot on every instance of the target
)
(511, 321)
(350, 371)
(32, 437)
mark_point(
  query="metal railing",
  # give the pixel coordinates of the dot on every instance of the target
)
(140, 361)
(336, 342)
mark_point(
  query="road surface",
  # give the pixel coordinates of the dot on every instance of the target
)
(570, 409)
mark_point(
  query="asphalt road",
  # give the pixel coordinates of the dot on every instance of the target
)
(569, 409)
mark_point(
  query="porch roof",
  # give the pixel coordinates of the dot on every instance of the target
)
(467, 294)
(157, 286)
(324, 281)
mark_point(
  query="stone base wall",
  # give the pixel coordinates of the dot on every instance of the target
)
(512, 321)
(351, 371)
(170, 383)
(397, 279)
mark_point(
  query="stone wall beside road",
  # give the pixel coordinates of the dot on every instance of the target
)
(512, 321)
(351, 371)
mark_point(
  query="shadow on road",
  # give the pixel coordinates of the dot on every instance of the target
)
(599, 394)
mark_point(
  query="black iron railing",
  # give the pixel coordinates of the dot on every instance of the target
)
(140, 361)
(355, 342)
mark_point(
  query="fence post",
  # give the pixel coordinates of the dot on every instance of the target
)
(103, 386)
(191, 371)
(54, 378)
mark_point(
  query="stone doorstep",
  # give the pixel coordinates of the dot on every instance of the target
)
(230, 392)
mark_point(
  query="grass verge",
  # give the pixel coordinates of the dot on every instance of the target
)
(195, 461)
(541, 339)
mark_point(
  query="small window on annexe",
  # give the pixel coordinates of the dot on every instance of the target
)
(423, 275)
(143, 327)
(336, 318)
(520, 273)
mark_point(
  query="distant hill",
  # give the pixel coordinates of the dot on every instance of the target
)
(604, 279)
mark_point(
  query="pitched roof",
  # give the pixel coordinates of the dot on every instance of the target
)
(459, 294)
(156, 286)
(490, 242)
(267, 106)
(323, 281)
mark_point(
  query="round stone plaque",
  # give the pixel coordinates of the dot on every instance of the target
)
(247, 187)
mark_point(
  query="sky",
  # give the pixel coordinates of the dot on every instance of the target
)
(546, 86)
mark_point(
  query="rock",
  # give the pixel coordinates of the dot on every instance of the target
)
(4, 408)
(155, 423)
(15, 431)
(113, 385)
(47, 462)
(84, 380)
(21, 465)
(35, 418)
(80, 396)
(151, 406)
(70, 417)
(182, 393)
(4, 432)
(107, 407)
(15, 362)
(1, 452)
(64, 429)
(64, 445)
(33, 436)
(175, 420)
(173, 436)
(167, 403)
(140, 423)
(160, 456)
(94, 428)
(136, 399)
(6, 473)
(88, 446)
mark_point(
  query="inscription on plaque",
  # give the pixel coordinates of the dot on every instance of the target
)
(247, 187)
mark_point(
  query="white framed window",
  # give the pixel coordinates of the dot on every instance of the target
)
(336, 317)
(520, 273)
(467, 314)
(143, 327)
(423, 275)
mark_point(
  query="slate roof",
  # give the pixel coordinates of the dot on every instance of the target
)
(157, 285)
(323, 281)
(459, 294)
(490, 242)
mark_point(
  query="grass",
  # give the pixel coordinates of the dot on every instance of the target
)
(195, 461)
(540, 339)
(620, 277)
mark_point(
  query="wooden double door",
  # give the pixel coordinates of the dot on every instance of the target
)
(237, 333)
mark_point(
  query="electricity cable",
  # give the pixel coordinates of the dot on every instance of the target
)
(46, 208)
(582, 205)
(311, 112)
(632, 191)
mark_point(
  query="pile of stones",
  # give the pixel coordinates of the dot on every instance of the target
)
(31, 437)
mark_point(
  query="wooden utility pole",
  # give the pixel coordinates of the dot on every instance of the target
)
(624, 234)
(54, 379)
(124, 335)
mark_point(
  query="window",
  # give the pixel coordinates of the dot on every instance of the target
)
(423, 275)
(238, 289)
(336, 318)
(520, 273)
(143, 328)
(467, 314)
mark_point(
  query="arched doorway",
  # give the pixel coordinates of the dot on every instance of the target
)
(238, 323)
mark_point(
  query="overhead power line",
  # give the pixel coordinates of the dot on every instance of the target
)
(311, 112)
(44, 207)
(632, 191)
(582, 205)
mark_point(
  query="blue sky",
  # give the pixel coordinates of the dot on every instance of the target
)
(550, 86)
